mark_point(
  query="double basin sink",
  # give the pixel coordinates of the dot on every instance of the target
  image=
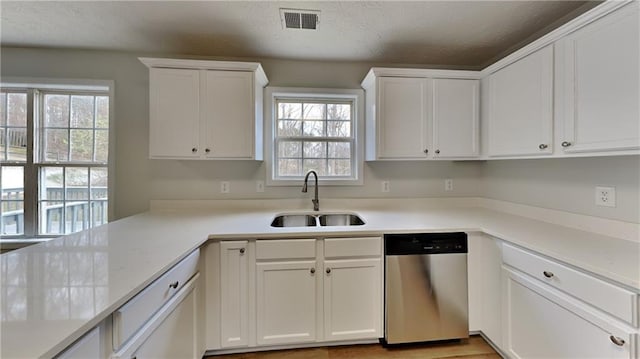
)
(314, 220)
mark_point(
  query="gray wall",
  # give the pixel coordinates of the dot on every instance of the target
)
(565, 184)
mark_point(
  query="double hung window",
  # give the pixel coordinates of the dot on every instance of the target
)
(54, 157)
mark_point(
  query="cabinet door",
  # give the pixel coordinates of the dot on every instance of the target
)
(601, 75)
(520, 106)
(403, 117)
(353, 299)
(286, 302)
(455, 118)
(176, 336)
(174, 113)
(228, 114)
(86, 347)
(234, 294)
(541, 322)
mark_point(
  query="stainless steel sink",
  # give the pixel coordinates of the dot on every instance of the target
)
(294, 220)
(340, 220)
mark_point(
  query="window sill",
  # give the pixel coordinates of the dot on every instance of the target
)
(296, 182)
(14, 243)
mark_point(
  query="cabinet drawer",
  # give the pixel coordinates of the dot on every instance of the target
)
(131, 316)
(352, 247)
(286, 249)
(614, 300)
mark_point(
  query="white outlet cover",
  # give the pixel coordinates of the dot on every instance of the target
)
(606, 196)
(386, 187)
(224, 187)
(448, 185)
(259, 186)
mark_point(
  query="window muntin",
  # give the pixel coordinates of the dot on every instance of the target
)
(69, 132)
(314, 134)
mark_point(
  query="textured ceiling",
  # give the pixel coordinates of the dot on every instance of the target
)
(450, 33)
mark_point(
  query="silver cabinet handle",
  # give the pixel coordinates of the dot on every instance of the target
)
(312, 270)
(194, 150)
(426, 150)
(207, 150)
(328, 270)
(242, 250)
(174, 285)
(543, 146)
(566, 144)
(548, 274)
(437, 152)
(617, 341)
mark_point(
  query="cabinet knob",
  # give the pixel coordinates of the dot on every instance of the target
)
(328, 270)
(207, 150)
(617, 341)
(426, 150)
(174, 285)
(437, 152)
(543, 146)
(242, 250)
(547, 274)
(566, 144)
(312, 270)
(194, 150)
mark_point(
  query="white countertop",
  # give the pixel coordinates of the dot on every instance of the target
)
(53, 292)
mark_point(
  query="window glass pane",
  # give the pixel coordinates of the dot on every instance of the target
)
(17, 109)
(17, 144)
(99, 212)
(339, 150)
(56, 145)
(315, 149)
(56, 111)
(338, 129)
(313, 111)
(99, 183)
(3, 148)
(102, 112)
(289, 167)
(339, 112)
(12, 200)
(82, 111)
(290, 149)
(290, 110)
(77, 216)
(77, 184)
(288, 128)
(3, 109)
(102, 145)
(51, 215)
(339, 167)
(51, 180)
(313, 128)
(81, 145)
(318, 165)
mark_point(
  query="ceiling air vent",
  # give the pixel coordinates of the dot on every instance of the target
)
(300, 19)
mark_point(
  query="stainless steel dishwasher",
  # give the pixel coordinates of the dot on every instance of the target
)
(425, 287)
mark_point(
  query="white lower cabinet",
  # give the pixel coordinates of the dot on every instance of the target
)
(297, 291)
(542, 322)
(286, 302)
(172, 332)
(352, 299)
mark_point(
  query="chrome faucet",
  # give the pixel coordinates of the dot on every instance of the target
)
(315, 200)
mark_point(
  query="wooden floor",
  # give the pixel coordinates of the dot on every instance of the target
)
(472, 348)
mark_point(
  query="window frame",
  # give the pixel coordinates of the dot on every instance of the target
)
(275, 94)
(34, 163)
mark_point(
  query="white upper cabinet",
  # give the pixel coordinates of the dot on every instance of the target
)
(455, 118)
(205, 109)
(402, 118)
(411, 112)
(520, 116)
(599, 72)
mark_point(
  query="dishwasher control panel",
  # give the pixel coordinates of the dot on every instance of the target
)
(425, 243)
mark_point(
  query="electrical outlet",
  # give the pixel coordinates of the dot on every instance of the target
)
(606, 196)
(259, 186)
(448, 185)
(224, 187)
(385, 186)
